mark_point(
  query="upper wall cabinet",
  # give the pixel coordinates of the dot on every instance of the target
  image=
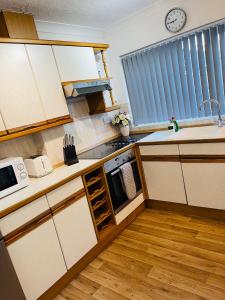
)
(75, 63)
(2, 126)
(47, 80)
(19, 99)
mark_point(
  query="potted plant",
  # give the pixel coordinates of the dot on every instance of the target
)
(122, 120)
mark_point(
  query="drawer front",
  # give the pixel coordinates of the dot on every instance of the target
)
(23, 215)
(159, 150)
(202, 149)
(65, 191)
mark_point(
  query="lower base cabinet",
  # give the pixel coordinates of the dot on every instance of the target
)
(205, 184)
(75, 230)
(37, 259)
(164, 181)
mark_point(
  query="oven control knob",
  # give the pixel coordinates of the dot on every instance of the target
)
(23, 175)
(20, 167)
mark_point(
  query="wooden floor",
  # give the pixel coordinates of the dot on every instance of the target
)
(161, 255)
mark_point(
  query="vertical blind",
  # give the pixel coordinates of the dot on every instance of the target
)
(174, 78)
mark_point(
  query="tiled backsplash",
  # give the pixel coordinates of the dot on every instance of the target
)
(24, 146)
(88, 131)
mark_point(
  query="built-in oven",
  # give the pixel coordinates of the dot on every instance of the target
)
(115, 180)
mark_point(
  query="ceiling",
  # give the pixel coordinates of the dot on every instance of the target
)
(97, 13)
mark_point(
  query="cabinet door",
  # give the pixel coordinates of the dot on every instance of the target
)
(48, 81)
(75, 230)
(164, 181)
(75, 63)
(19, 99)
(205, 184)
(38, 260)
(2, 126)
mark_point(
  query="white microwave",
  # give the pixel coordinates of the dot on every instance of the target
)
(13, 175)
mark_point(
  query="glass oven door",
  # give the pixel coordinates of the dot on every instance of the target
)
(116, 187)
(117, 193)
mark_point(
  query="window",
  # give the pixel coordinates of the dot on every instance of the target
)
(172, 79)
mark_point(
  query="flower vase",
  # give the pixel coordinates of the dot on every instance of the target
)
(125, 130)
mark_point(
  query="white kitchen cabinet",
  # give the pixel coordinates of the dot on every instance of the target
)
(205, 184)
(48, 81)
(20, 103)
(75, 231)
(164, 181)
(2, 126)
(75, 63)
(38, 260)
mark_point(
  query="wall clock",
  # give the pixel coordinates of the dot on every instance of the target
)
(175, 20)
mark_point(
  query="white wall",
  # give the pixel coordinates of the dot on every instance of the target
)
(147, 27)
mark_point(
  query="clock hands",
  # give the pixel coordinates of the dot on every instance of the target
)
(172, 21)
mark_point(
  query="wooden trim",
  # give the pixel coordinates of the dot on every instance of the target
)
(53, 42)
(203, 160)
(169, 158)
(186, 209)
(106, 109)
(58, 119)
(25, 127)
(68, 201)
(141, 172)
(27, 227)
(34, 130)
(107, 75)
(65, 83)
(91, 255)
(2, 133)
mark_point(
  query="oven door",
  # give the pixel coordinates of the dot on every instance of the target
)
(8, 180)
(115, 182)
(117, 193)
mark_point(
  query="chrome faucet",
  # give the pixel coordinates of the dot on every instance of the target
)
(220, 121)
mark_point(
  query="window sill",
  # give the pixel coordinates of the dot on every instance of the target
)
(149, 128)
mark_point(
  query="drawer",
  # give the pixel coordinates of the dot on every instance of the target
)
(65, 191)
(159, 150)
(202, 148)
(23, 215)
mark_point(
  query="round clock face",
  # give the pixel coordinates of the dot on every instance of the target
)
(175, 19)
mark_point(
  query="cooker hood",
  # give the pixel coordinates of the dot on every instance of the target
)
(74, 89)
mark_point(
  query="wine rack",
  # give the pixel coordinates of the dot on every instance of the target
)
(99, 201)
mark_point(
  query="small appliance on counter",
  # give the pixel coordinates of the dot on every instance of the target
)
(38, 165)
(13, 175)
(69, 150)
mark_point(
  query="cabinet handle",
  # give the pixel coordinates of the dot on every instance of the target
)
(27, 227)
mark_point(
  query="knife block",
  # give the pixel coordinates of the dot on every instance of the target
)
(70, 155)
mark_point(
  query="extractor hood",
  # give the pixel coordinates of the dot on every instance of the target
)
(74, 89)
